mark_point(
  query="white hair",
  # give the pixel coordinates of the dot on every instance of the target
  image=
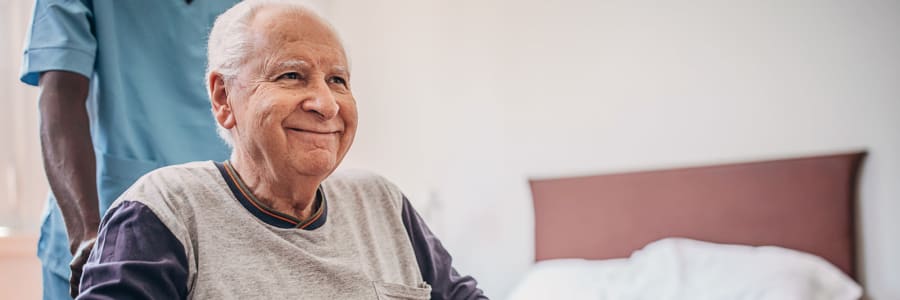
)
(230, 41)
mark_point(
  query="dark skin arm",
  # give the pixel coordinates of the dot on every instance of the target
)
(69, 160)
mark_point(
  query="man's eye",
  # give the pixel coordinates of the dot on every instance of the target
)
(338, 80)
(291, 75)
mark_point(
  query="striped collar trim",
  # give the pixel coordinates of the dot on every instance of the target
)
(265, 213)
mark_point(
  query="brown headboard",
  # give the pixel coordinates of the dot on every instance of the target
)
(805, 204)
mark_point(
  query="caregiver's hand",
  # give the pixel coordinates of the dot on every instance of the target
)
(77, 265)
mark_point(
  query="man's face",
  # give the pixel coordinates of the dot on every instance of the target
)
(291, 100)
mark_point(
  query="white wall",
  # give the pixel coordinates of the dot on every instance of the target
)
(23, 187)
(461, 101)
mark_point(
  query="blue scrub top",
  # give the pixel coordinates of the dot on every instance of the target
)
(148, 104)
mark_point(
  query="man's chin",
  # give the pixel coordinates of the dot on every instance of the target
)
(315, 164)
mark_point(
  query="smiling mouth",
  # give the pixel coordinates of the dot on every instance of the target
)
(311, 131)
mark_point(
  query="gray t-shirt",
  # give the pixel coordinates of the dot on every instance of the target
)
(195, 231)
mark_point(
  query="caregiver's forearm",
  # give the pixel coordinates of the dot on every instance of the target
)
(68, 152)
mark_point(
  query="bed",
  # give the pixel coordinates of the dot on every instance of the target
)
(799, 205)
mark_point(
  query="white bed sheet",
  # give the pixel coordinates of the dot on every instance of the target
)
(676, 269)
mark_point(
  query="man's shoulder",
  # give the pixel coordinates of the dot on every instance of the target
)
(362, 184)
(360, 179)
(358, 176)
(171, 186)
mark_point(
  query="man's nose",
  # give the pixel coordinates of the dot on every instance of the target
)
(321, 101)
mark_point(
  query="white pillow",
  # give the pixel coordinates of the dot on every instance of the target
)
(567, 279)
(676, 268)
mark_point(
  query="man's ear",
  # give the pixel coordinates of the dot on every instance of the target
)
(218, 95)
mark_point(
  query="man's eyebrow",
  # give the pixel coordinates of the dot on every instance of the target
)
(340, 69)
(299, 63)
(290, 64)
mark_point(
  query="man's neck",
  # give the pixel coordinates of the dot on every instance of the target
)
(289, 194)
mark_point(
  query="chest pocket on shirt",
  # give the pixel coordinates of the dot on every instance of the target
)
(393, 291)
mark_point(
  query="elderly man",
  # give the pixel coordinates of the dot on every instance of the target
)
(267, 223)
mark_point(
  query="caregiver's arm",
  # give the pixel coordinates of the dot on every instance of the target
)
(69, 153)
(435, 262)
(69, 161)
(136, 257)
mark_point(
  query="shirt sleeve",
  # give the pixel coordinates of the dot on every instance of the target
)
(61, 37)
(435, 263)
(135, 257)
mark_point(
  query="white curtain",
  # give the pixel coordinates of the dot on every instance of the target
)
(23, 187)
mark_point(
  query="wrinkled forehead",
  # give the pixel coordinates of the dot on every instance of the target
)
(280, 31)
